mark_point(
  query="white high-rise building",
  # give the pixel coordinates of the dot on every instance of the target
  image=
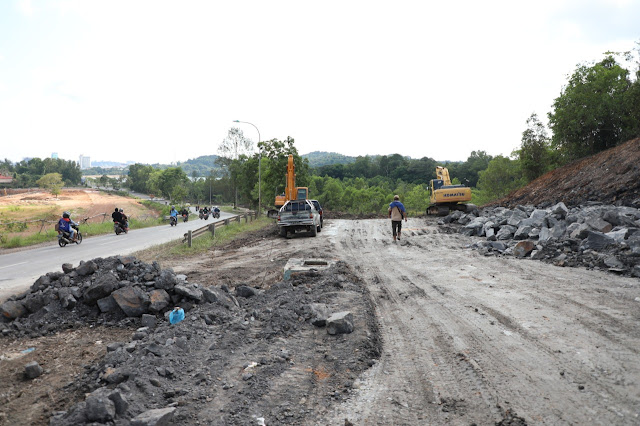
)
(54, 155)
(85, 162)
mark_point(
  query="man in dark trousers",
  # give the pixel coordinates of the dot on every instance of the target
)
(397, 212)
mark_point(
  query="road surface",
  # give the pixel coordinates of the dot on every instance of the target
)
(18, 270)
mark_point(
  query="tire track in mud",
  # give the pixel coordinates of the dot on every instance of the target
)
(455, 342)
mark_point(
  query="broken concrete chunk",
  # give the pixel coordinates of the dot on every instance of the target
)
(67, 268)
(340, 323)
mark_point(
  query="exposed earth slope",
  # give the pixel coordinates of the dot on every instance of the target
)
(611, 177)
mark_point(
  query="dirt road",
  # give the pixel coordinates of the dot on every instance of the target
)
(442, 335)
(471, 339)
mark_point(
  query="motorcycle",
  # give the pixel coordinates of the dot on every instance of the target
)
(216, 214)
(173, 221)
(119, 228)
(185, 217)
(64, 237)
(204, 215)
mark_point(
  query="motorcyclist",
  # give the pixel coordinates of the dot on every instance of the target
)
(117, 216)
(174, 213)
(185, 213)
(64, 225)
(205, 210)
(124, 221)
(216, 211)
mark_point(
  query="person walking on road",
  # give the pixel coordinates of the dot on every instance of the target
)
(397, 212)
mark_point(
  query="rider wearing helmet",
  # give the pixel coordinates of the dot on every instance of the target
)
(174, 213)
(64, 225)
(124, 221)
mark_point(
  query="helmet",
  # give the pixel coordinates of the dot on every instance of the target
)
(172, 207)
(116, 209)
(66, 215)
(121, 210)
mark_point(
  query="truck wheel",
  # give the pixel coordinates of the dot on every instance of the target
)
(314, 231)
(283, 232)
(319, 228)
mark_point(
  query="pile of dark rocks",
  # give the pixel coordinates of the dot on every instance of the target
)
(182, 373)
(103, 291)
(593, 235)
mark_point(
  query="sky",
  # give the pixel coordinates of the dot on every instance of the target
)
(155, 81)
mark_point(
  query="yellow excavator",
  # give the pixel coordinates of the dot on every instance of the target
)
(445, 197)
(291, 192)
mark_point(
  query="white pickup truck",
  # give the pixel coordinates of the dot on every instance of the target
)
(299, 215)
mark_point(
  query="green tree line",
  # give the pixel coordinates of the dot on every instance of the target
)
(26, 173)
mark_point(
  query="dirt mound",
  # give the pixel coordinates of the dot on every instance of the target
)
(610, 177)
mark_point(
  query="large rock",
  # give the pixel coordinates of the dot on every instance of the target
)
(167, 280)
(100, 408)
(108, 304)
(506, 232)
(522, 233)
(158, 300)
(340, 323)
(155, 417)
(132, 300)
(188, 290)
(579, 231)
(87, 268)
(34, 302)
(560, 210)
(12, 309)
(596, 241)
(523, 248)
(598, 224)
(102, 287)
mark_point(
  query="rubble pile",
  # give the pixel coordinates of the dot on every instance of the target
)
(227, 362)
(592, 235)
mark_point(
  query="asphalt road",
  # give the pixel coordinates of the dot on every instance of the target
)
(20, 269)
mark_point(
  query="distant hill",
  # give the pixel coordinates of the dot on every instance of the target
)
(321, 158)
(200, 165)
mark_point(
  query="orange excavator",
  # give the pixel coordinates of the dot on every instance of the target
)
(291, 191)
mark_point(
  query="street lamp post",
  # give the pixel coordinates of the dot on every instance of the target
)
(259, 164)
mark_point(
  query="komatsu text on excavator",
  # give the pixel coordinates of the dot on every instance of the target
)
(445, 197)
(291, 192)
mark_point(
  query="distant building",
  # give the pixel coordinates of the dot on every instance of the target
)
(54, 155)
(5, 179)
(85, 162)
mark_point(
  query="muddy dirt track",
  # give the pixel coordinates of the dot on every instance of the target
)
(469, 339)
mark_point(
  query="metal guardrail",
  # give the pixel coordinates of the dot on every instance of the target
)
(211, 227)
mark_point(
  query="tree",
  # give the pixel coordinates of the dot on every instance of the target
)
(104, 179)
(52, 182)
(502, 176)
(591, 114)
(534, 153)
(231, 149)
(169, 179)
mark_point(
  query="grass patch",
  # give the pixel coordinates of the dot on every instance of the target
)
(176, 249)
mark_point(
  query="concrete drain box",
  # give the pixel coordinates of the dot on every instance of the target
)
(296, 264)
